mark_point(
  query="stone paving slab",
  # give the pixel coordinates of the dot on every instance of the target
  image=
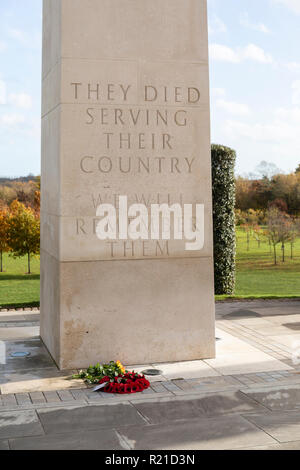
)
(39, 357)
(165, 410)
(89, 418)
(277, 398)
(19, 332)
(280, 446)
(192, 406)
(4, 445)
(90, 440)
(38, 380)
(230, 432)
(282, 426)
(19, 424)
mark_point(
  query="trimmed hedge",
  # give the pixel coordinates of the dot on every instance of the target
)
(223, 161)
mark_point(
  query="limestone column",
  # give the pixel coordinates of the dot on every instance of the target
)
(125, 112)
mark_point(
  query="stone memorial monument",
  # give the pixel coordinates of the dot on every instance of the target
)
(125, 122)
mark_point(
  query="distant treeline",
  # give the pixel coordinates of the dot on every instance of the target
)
(280, 190)
(24, 189)
(20, 179)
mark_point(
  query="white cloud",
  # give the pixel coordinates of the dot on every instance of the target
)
(282, 131)
(2, 46)
(233, 107)
(293, 66)
(261, 27)
(216, 25)
(12, 120)
(2, 92)
(223, 53)
(296, 92)
(293, 5)
(256, 53)
(20, 100)
(251, 52)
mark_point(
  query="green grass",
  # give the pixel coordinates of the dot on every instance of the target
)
(17, 288)
(256, 275)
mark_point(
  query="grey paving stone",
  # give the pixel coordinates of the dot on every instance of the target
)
(37, 398)
(242, 313)
(283, 426)
(91, 440)
(9, 399)
(4, 445)
(276, 398)
(284, 446)
(65, 395)
(64, 420)
(52, 397)
(171, 386)
(227, 402)
(165, 409)
(19, 424)
(78, 395)
(39, 357)
(158, 387)
(23, 399)
(231, 432)
(183, 384)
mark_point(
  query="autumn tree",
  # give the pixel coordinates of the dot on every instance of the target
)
(24, 231)
(4, 245)
(273, 229)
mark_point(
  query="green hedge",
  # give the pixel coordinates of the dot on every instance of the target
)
(223, 161)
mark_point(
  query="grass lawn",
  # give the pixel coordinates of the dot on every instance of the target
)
(256, 276)
(16, 287)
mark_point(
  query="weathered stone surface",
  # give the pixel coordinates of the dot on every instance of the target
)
(284, 427)
(231, 432)
(90, 440)
(286, 446)
(111, 69)
(279, 398)
(70, 419)
(19, 424)
(38, 358)
(4, 445)
(166, 409)
(210, 404)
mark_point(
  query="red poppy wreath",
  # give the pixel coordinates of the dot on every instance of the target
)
(130, 382)
(113, 378)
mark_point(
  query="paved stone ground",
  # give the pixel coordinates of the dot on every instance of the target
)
(246, 398)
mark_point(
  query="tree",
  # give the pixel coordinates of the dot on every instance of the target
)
(273, 230)
(4, 246)
(280, 230)
(285, 231)
(257, 232)
(24, 231)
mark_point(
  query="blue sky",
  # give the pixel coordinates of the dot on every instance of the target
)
(254, 74)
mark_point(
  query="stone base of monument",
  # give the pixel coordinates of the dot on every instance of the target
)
(139, 312)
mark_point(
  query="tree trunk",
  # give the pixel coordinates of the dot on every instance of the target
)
(282, 247)
(29, 263)
(275, 258)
